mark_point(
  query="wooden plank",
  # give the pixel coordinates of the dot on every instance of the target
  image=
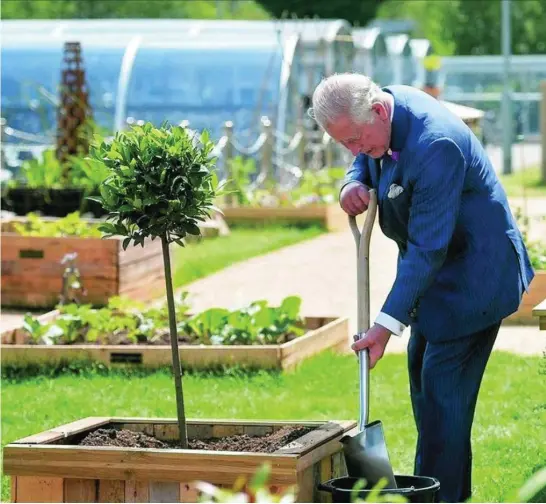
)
(306, 485)
(150, 464)
(313, 439)
(64, 431)
(339, 469)
(540, 309)
(39, 489)
(166, 432)
(81, 490)
(111, 490)
(137, 491)
(164, 491)
(188, 493)
(318, 453)
(329, 336)
(151, 249)
(13, 487)
(325, 474)
(222, 430)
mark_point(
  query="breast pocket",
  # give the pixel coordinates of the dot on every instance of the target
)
(397, 202)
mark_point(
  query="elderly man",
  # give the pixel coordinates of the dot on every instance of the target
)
(462, 264)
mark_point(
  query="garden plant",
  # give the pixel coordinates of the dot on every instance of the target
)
(160, 184)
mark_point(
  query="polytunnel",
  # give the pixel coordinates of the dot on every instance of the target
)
(133, 69)
(399, 50)
(420, 50)
(371, 56)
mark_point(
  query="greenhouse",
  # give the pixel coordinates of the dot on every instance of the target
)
(420, 50)
(477, 81)
(403, 68)
(205, 72)
(371, 56)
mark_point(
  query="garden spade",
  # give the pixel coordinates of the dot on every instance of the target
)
(366, 453)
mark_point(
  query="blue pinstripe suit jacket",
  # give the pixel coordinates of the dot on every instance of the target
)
(462, 263)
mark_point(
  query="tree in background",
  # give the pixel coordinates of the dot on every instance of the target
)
(467, 27)
(97, 9)
(357, 12)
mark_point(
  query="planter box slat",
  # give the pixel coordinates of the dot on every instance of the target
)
(540, 312)
(80, 490)
(137, 491)
(330, 216)
(332, 335)
(106, 270)
(125, 463)
(71, 473)
(36, 489)
(112, 491)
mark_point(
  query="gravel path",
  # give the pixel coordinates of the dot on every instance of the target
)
(322, 272)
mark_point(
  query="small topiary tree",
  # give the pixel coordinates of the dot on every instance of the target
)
(160, 184)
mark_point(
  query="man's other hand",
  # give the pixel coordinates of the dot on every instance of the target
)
(375, 340)
(354, 198)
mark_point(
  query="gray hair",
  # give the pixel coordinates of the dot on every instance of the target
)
(344, 94)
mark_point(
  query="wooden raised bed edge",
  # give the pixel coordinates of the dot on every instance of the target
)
(324, 333)
(540, 312)
(32, 272)
(537, 292)
(46, 468)
(330, 216)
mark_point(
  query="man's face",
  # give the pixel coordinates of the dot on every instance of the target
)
(372, 139)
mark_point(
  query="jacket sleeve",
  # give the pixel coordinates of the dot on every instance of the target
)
(435, 204)
(358, 172)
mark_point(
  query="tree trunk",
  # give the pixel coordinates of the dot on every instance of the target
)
(174, 345)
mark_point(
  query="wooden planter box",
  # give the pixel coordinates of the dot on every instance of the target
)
(331, 217)
(537, 292)
(49, 467)
(323, 333)
(32, 270)
(539, 311)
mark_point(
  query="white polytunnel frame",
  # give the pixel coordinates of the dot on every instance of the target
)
(182, 69)
(400, 53)
(420, 50)
(203, 76)
(371, 56)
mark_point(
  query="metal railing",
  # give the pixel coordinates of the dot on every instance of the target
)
(281, 158)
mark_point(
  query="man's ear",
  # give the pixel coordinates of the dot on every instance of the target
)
(379, 110)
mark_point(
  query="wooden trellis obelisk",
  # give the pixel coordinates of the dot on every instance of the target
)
(74, 110)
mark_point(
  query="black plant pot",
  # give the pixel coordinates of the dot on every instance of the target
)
(49, 202)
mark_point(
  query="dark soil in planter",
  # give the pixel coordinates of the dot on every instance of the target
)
(240, 443)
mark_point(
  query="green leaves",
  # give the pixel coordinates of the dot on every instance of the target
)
(256, 324)
(160, 182)
(127, 321)
(71, 225)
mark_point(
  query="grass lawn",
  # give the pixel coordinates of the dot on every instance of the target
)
(508, 433)
(530, 179)
(198, 260)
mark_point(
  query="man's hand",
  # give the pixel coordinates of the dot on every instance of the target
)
(354, 198)
(375, 340)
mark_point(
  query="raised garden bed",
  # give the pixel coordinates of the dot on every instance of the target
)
(539, 311)
(257, 336)
(32, 273)
(328, 216)
(53, 466)
(537, 292)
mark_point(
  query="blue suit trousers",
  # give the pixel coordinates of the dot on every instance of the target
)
(445, 378)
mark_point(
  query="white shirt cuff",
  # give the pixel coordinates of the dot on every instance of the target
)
(390, 323)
